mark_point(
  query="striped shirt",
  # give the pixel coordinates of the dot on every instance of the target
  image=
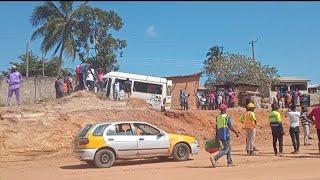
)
(304, 119)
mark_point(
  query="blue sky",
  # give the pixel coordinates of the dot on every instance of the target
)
(172, 38)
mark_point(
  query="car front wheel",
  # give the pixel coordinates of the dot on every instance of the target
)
(104, 158)
(181, 152)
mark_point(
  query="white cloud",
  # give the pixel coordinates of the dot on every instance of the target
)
(151, 31)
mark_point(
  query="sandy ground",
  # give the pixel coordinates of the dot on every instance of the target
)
(262, 166)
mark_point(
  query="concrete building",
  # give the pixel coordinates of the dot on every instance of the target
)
(289, 83)
(189, 84)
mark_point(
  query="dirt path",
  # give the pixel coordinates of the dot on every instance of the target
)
(263, 166)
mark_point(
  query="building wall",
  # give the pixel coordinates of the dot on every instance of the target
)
(31, 90)
(188, 84)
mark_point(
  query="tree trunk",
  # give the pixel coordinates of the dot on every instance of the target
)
(60, 58)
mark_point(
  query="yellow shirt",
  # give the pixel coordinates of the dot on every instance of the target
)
(274, 117)
(248, 119)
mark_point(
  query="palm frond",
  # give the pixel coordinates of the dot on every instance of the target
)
(44, 13)
(66, 7)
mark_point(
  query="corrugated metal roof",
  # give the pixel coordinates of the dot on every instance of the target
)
(183, 76)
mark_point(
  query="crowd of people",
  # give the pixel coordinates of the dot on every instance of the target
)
(213, 99)
(284, 99)
(87, 78)
(249, 121)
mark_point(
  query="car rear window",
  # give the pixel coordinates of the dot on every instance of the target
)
(100, 129)
(84, 130)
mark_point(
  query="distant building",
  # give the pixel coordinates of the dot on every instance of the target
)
(289, 84)
(189, 84)
(314, 88)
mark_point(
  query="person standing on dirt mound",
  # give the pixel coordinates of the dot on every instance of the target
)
(315, 116)
(127, 87)
(223, 124)
(249, 121)
(276, 129)
(14, 79)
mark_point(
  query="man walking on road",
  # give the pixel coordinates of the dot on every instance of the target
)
(315, 116)
(14, 79)
(223, 124)
(249, 121)
(277, 129)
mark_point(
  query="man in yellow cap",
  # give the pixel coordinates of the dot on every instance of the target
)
(249, 121)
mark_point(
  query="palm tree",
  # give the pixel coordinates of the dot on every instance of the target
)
(60, 26)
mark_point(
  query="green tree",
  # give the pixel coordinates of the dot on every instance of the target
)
(61, 26)
(105, 48)
(223, 68)
(36, 66)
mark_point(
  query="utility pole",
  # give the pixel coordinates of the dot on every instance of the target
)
(27, 60)
(42, 65)
(252, 47)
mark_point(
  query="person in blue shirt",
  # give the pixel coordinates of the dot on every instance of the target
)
(223, 124)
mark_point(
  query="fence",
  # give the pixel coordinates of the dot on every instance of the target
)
(33, 89)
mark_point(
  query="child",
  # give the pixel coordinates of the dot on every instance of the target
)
(294, 117)
(306, 124)
(276, 129)
(223, 124)
(249, 122)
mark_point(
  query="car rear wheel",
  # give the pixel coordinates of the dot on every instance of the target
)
(181, 152)
(104, 158)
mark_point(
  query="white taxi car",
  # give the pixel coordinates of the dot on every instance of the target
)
(103, 143)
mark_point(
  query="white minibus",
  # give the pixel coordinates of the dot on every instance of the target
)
(154, 90)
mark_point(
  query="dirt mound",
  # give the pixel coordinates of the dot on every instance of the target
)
(48, 129)
(134, 102)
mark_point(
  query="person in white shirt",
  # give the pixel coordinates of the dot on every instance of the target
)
(116, 90)
(294, 119)
(90, 79)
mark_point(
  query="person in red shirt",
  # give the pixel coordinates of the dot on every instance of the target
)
(315, 116)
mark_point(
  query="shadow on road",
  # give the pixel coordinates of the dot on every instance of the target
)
(199, 167)
(122, 163)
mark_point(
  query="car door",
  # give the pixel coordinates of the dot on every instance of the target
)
(121, 138)
(151, 141)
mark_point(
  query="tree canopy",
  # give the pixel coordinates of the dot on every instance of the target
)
(105, 48)
(223, 68)
(82, 31)
(36, 65)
